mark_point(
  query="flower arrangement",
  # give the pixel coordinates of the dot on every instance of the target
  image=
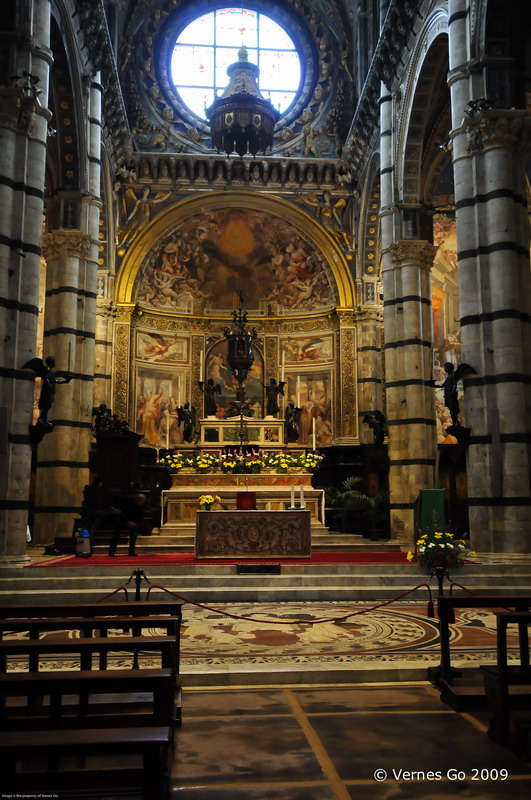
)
(176, 461)
(309, 462)
(205, 462)
(281, 462)
(208, 500)
(439, 552)
(239, 462)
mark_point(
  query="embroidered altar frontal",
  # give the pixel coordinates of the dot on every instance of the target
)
(259, 534)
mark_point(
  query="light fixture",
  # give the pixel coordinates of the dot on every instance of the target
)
(241, 120)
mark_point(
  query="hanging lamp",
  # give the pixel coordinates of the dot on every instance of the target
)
(241, 120)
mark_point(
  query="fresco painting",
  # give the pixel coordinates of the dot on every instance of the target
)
(158, 394)
(214, 255)
(309, 349)
(311, 392)
(217, 368)
(161, 347)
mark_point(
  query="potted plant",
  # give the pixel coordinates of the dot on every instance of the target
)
(207, 501)
(351, 497)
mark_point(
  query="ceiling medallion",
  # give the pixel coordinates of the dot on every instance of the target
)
(241, 120)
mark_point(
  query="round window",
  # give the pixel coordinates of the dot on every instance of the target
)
(209, 44)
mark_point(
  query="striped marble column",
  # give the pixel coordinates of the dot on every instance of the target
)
(23, 131)
(105, 315)
(370, 381)
(409, 377)
(489, 158)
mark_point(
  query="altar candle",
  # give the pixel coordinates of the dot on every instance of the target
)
(302, 496)
(292, 496)
(313, 433)
(283, 371)
(167, 413)
(69, 355)
(298, 391)
(201, 375)
(179, 393)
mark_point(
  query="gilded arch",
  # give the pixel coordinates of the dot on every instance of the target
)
(168, 220)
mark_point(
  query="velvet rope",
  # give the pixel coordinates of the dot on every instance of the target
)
(289, 621)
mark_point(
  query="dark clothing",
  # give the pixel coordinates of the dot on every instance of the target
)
(127, 517)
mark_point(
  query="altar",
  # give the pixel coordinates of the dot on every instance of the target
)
(253, 534)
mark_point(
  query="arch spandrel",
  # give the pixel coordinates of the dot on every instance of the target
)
(168, 221)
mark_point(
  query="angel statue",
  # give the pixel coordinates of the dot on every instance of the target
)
(210, 390)
(186, 415)
(449, 386)
(292, 417)
(330, 215)
(45, 370)
(377, 422)
(142, 210)
(273, 389)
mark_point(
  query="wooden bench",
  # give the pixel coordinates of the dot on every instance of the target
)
(151, 744)
(509, 685)
(448, 603)
(107, 608)
(69, 695)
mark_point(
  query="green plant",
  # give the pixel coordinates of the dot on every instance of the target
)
(351, 497)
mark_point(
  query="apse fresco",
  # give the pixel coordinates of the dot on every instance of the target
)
(217, 368)
(214, 255)
(311, 392)
(445, 315)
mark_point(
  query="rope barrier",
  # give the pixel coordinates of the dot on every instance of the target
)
(119, 589)
(289, 621)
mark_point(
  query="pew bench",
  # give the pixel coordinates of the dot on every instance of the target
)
(151, 744)
(508, 686)
(88, 699)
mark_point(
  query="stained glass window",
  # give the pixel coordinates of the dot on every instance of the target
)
(209, 44)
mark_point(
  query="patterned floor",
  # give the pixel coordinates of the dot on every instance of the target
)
(316, 638)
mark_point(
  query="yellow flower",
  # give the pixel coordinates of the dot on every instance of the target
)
(410, 556)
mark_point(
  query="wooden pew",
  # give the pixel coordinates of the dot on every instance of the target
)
(508, 686)
(70, 693)
(151, 743)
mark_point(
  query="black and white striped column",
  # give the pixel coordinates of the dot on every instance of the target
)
(370, 380)
(23, 133)
(489, 155)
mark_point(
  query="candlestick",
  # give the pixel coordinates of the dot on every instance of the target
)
(179, 391)
(283, 370)
(201, 366)
(292, 496)
(301, 503)
(298, 391)
(313, 433)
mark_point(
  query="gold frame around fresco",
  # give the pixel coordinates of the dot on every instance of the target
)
(169, 218)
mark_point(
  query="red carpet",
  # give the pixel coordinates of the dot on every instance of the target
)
(177, 559)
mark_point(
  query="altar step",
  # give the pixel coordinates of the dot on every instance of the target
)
(183, 542)
(222, 584)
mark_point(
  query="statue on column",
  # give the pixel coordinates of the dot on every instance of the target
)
(210, 390)
(377, 422)
(451, 400)
(45, 371)
(186, 416)
(273, 389)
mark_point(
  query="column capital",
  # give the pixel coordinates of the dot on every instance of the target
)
(495, 128)
(415, 252)
(65, 243)
(124, 312)
(17, 110)
(106, 308)
(370, 314)
(346, 317)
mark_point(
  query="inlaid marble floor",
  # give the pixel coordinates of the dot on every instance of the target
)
(329, 743)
